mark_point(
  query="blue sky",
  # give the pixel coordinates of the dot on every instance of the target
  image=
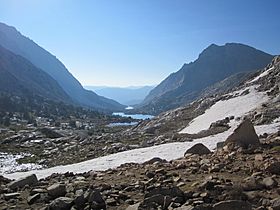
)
(140, 42)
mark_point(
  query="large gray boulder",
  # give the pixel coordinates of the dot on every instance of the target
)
(62, 203)
(273, 168)
(198, 149)
(162, 197)
(95, 199)
(28, 180)
(244, 135)
(56, 190)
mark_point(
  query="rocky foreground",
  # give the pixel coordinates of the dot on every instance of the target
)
(244, 173)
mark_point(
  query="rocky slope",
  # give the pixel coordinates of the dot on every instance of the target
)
(226, 179)
(214, 64)
(14, 41)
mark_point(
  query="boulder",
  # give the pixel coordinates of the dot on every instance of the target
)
(162, 197)
(56, 190)
(198, 149)
(79, 200)
(273, 168)
(269, 182)
(155, 160)
(62, 203)
(95, 199)
(155, 201)
(252, 183)
(232, 205)
(28, 180)
(244, 135)
(166, 191)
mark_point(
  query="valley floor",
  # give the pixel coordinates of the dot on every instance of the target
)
(221, 180)
(168, 152)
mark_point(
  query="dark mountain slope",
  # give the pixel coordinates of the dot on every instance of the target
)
(227, 84)
(20, 77)
(214, 64)
(11, 39)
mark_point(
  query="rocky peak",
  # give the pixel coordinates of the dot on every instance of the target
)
(214, 65)
(214, 50)
(209, 50)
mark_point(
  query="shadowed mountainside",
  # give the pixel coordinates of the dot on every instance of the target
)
(14, 41)
(213, 65)
(20, 77)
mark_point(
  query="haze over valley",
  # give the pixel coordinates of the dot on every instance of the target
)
(125, 95)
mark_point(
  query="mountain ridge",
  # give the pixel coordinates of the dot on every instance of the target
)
(19, 76)
(213, 64)
(17, 43)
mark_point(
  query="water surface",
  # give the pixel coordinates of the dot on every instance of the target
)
(134, 116)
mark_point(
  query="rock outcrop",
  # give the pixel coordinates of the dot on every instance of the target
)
(244, 135)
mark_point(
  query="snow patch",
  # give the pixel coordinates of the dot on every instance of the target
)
(266, 72)
(9, 164)
(237, 107)
(269, 128)
(168, 151)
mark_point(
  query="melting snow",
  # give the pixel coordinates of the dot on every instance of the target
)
(9, 164)
(168, 151)
(236, 107)
(266, 72)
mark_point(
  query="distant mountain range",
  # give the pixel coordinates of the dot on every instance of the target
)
(18, 44)
(125, 95)
(193, 80)
(27, 68)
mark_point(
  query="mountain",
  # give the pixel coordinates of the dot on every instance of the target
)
(21, 77)
(14, 41)
(126, 95)
(256, 98)
(214, 64)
